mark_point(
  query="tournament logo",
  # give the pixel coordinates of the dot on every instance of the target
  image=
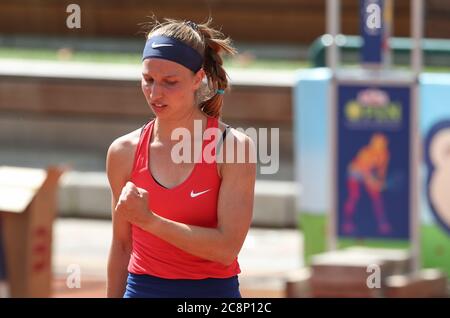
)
(373, 107)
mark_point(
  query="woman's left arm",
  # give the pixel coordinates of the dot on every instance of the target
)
(235, 208)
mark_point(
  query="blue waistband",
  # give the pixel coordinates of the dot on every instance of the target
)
(146, 286)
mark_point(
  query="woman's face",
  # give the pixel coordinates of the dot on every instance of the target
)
(169, 87)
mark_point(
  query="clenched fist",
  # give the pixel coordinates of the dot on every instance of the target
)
(133, 205)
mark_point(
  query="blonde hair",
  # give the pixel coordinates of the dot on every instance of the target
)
(210, 43)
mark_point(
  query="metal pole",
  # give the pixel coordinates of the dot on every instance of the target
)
(388, 32)
(415, 176)
(417, 22)
(333, 29)
(417, 17)
(333, 140)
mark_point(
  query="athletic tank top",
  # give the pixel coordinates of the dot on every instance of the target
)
(192, 202)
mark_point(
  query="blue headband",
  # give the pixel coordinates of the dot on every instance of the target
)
(168, 48)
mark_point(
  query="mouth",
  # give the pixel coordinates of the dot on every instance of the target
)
(158, 105)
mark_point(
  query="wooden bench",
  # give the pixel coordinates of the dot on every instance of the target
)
(87, 113)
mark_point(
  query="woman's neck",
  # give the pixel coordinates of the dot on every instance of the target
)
(163, 128)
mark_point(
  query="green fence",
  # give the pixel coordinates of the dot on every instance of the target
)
(436, 51)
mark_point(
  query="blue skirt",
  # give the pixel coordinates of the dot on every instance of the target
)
(146, 286)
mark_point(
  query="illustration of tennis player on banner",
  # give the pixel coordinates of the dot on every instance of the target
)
(368, 170)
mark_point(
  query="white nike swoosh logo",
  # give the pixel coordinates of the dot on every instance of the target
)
(193, 195)
(155, 46)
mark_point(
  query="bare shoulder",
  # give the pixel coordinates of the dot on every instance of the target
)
(120, 157)
(125, 144)
(243, 148)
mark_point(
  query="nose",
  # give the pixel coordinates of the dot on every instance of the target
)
(155, 91)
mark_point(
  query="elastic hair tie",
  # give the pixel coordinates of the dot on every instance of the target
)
(220, 91)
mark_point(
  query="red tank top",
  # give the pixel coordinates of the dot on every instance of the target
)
(192, 202)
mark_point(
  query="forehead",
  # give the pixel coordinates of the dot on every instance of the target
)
(161, 67)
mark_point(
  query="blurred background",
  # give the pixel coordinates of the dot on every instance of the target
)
(67, 93)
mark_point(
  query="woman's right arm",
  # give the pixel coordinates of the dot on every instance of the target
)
(119, 162)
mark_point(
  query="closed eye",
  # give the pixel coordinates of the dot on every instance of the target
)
(168, 81)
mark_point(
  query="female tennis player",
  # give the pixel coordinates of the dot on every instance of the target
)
(178, 227)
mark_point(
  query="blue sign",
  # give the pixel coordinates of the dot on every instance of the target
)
(373, 149)
(437, 159)
(372, 31)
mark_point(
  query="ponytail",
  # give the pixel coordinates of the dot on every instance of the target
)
(217, 78)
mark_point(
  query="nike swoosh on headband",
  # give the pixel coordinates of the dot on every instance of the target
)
(155, 46)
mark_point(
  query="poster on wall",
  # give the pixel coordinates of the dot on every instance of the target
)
(373, 161)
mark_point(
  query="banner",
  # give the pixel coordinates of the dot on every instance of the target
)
(372, 31)
(373, 161)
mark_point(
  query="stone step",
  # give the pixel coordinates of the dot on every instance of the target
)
(356, 271)
(426, 283)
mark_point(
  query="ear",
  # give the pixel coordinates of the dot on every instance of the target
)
(198, 78)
